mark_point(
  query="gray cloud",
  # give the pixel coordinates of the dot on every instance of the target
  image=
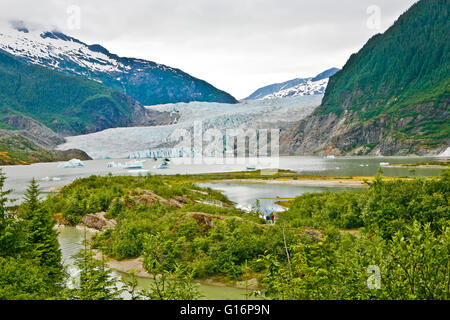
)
(237, 45)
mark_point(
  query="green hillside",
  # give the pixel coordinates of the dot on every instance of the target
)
(15, 149)
(66, 104)
(403, 73)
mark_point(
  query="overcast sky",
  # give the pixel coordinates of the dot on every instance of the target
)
(236, 45)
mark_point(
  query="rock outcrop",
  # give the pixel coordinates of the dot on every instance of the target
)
(346, 134)
(98, 221)
(33, 131)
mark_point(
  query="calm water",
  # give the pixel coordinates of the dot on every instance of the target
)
(246, 195)
(49, 175)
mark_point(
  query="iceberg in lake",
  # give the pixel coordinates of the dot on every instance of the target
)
(74, 163)
(134, 164)
(163, 166)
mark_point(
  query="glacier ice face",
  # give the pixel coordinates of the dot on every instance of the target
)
(149, 142)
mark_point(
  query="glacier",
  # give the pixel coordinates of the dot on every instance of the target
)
(156, 141)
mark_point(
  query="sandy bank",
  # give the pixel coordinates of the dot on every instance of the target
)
(291, 182)
(127, 266)
(420, 166)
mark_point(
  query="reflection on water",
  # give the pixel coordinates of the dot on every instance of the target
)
(246, 195)
(207, 292)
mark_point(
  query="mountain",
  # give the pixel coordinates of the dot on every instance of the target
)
(295, 87)
(147, 82)
(391, 98)
(66, 104)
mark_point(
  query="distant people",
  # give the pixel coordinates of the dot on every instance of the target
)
(268, 219)
(272, 217)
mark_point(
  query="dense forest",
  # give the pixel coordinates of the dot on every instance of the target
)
(326, 245)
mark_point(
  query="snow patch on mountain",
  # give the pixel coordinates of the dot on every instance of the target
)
(295, 87)
(55, 50)
(307, 88)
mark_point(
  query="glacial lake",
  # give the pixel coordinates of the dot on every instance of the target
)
(49, 175)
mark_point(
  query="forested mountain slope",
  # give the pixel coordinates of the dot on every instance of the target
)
(392, 97)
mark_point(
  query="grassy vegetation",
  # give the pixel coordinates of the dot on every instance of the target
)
(219, 241)
(443, 163)
(259, 175)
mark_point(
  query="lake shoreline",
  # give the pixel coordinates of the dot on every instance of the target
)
(291, 182)
(137, 265)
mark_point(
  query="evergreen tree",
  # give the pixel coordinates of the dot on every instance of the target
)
(31, 198)
(22, 273)
(40, 232)
(95, 282)
(3, 195)
(9, 233)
